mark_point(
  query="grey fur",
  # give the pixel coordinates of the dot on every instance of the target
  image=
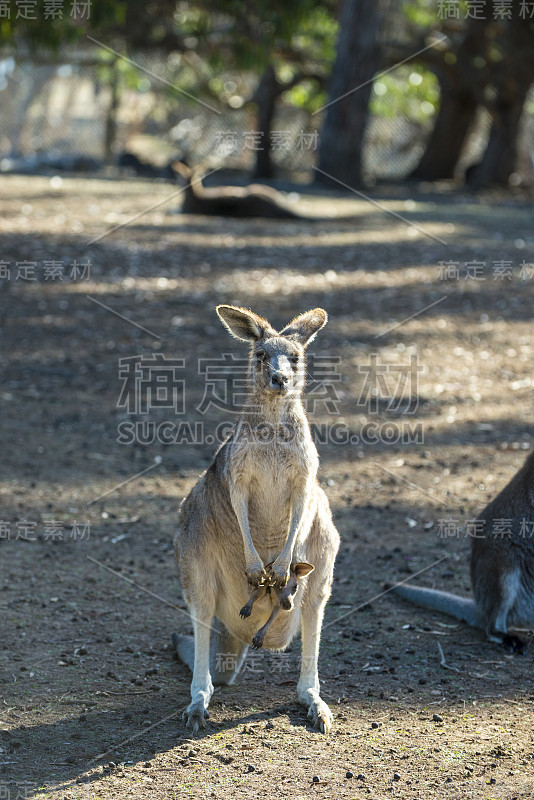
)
(461, 608)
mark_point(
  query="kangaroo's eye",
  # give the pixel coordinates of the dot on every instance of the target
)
(294, 359)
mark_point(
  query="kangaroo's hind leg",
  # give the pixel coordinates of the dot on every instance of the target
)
(227, 653)
(195, 652)
(257, 641)
(497, 627)
(308, 688)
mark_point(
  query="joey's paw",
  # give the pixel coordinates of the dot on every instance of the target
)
(195, 716)
(320, 716)
(256, 574)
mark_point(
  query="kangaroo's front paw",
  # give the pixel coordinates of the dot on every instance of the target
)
(195, 716)
(321, 716)
(279, 575)
(245, 611)
(257, 642)
(256, 574)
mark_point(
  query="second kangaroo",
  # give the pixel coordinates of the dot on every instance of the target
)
(254, 200)
(502, 567)
(258, 504)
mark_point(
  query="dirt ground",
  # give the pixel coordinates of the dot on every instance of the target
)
(91, 694)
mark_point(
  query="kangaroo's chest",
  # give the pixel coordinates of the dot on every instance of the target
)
(275, 480)
(269, 506)
(277, 455)
(275, 469)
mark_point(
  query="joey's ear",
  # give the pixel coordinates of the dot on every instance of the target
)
(244, 324)
(305, 328)
(302, 568)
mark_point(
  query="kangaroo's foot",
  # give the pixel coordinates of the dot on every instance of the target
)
(195, 716)
(318, 712)
(513, 644)
(320, 716)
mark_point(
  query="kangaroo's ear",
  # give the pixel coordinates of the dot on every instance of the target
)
(244, 324)
(182, 169)
(302, 568)
(305, 328)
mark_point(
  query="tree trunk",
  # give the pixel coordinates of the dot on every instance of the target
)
(513, 78)
(462, 85)
(357, 60)
(500, 156)
(265, 98)
(456, 113)
(110, 129)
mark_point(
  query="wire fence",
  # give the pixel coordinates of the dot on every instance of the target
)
(66, 110)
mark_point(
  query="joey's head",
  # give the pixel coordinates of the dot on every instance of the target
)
(277, 359)
(287, 594)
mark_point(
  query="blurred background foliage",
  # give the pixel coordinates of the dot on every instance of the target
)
(444, 87)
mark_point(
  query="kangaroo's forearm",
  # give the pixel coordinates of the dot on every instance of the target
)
(298, 508)
(239, 500)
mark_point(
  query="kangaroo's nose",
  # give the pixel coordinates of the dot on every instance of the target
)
(279, 380)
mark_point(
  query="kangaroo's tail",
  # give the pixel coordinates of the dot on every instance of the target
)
(461, 608)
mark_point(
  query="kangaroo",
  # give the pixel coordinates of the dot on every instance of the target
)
(254, 200)
(284, 598)
(502, 567)
(259, 502)
(143, 169)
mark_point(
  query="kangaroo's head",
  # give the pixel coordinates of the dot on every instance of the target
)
(277, 360)
(286, 595)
